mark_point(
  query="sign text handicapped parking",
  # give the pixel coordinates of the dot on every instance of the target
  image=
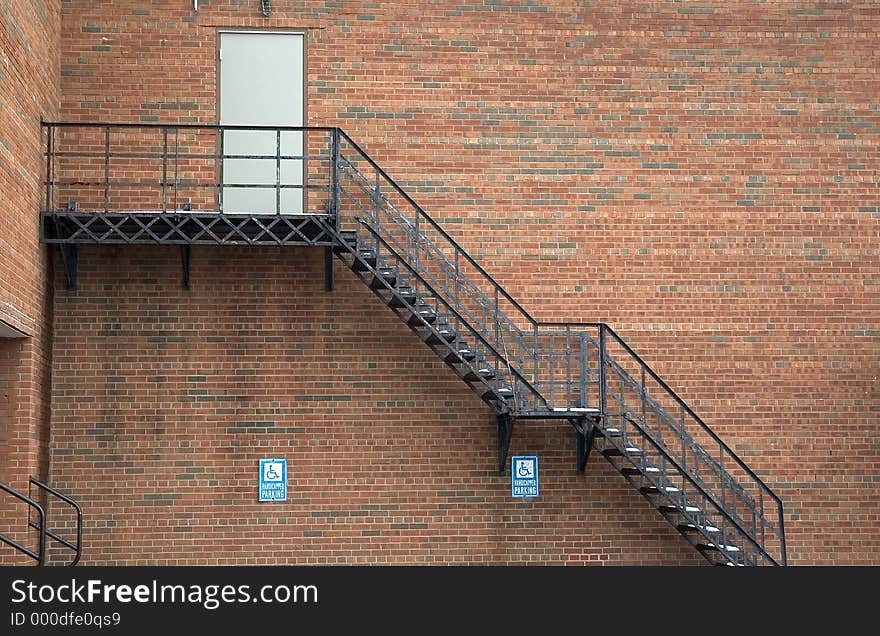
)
(524, 476)
(273, 480)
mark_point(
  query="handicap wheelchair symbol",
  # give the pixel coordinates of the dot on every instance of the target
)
(273, 472)
(525, 469)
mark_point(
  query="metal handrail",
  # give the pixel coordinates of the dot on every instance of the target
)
(485, 343)
(77, 547)
(40, 555)
(684, 473)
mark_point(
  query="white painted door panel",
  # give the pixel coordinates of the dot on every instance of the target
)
(261, 84)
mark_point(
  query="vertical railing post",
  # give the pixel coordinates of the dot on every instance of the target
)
(278, 171)
(584, 378)
(603, 354)
(497, 323)
(334, 177)
(568, 398)
(106, 169)
(164, 169)
(221, 158)
(535, 356)
(42, 549)
(781, 532)
(49, 160)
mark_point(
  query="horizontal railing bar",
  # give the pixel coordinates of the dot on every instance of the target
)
(189, 186)
(34, 555)
(74, 124)
(55, 537)
(174, 155)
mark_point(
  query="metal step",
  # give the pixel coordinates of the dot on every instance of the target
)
(387, 275)
(444, 334)
(729, 549)
(461, 354)
(484, 373)
(690, 527)
(425, 312)
(367, 255)
(615, 452)
(498, 394)
(691, 510)
(632, 470)
(653, 490)
(404, 293)
(348, 241)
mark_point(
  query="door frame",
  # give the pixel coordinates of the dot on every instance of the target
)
(305, 91)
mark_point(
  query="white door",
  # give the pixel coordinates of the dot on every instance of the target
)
(261, 84)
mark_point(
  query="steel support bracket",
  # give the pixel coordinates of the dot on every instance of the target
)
(585, 430)
(505, 432)
(328, 269)
(185, 253)
(70, 256)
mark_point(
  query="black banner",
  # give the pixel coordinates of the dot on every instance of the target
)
(132, 600)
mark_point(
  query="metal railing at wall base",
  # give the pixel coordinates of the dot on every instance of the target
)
(39, 555)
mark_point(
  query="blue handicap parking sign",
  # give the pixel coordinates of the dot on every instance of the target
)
(524, 476)
(273, 480)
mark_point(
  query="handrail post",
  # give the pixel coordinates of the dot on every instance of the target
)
(50, 130)
(165, 169)
(106, 169)
(782, 532)
(278, 171)
(334, 176)
(602, 362)
(535, 355)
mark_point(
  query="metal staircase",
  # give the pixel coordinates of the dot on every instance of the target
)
(523, 369)
(583, 373)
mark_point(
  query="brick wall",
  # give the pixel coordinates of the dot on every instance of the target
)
(703, 176)
(29, 83)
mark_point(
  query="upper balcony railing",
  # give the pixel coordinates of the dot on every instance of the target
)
(157, 168)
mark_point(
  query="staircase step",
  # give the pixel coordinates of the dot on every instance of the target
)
(690, 527)
(367, 255)
(678, 509)
(612, 432)
(653, 490)
(502, 392)
(484, 373)
(444, 334)
(730, 549)
(615, 452)
(348, 241)
(404, 293)
(632, 470)
(387, 275)
(462, 354)
(425, 312)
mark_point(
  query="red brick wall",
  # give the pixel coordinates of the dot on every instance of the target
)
(29, 84)
(704, 177)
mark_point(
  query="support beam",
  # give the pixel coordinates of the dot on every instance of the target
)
(328, 269)
(185, 258)
(585, 435)
(505, 432)
(69, 256)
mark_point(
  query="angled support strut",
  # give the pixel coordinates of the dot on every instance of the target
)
(585, 435)
(505, 432)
